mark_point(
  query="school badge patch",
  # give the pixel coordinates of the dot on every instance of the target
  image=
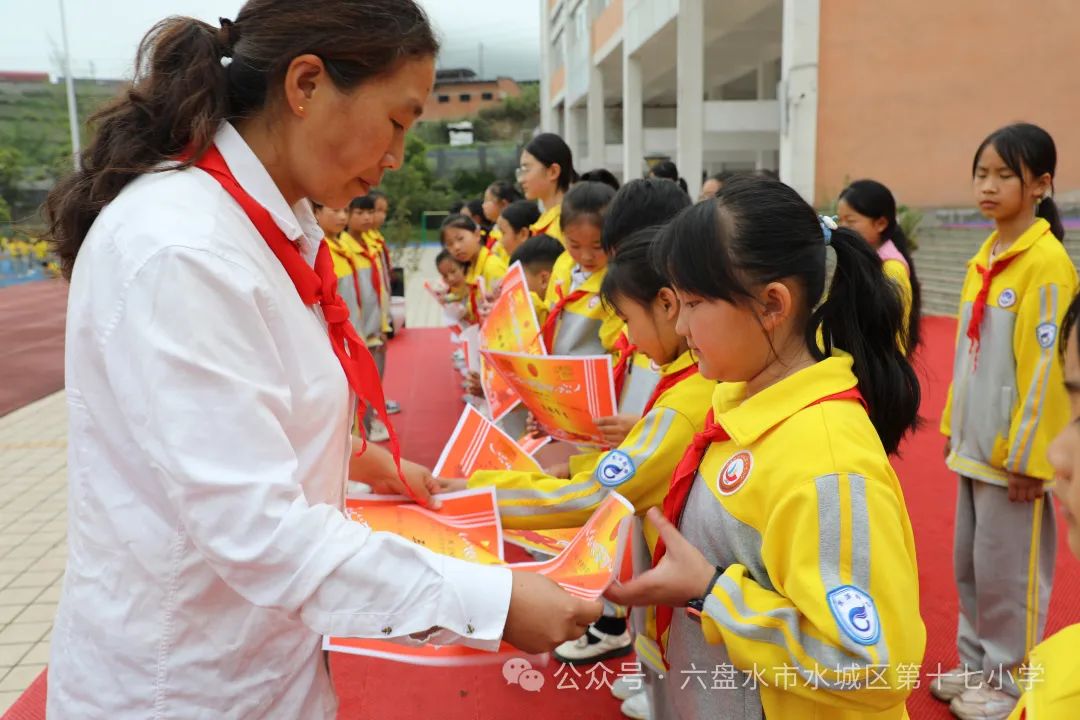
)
(735, 472)
(1046, 334)
(615, 469)
(855, 614)
(1007, 298)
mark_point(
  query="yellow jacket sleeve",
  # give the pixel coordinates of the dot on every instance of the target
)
(895, 271)
(829, 620)
(583, 462)
(640, 469)
(1042, 406)
(494, 271)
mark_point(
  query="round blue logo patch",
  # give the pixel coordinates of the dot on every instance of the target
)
(855, 614)
(615, 469)
(1007, 298)
(1046, 334)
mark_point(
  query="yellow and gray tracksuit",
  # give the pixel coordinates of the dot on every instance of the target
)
(1005, 405)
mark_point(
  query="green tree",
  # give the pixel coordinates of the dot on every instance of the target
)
(412, 189)
(12, 168)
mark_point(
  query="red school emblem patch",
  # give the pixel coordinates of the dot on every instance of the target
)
(735, 472)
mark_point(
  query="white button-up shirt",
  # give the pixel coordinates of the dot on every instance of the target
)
(208, 448)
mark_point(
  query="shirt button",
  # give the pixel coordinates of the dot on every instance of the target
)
(387, 630)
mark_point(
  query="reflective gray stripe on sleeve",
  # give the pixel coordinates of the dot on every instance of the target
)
(1020, 452)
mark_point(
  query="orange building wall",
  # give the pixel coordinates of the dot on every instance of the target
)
(456, 108)
(907, 91)
(558, 81)
(607, 24)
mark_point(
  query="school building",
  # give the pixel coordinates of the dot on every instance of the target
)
(823, 91)
(460, 93)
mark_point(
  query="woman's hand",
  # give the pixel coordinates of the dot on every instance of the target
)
(447, 485)
(1024, 488)
(542, 615)
(682, 575)
(616, 428)
(375, 467)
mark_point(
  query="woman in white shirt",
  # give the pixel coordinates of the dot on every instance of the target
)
(209, 413)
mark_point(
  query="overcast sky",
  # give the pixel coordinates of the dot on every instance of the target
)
(104, 33)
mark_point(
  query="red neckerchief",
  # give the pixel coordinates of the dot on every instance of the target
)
(352, 264)
(315, 285)
(978, 307)
(548, 331)
(625, 351)
(667, 382)
(683, 480)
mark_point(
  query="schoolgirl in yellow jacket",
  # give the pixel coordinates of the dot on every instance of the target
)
(786, 560)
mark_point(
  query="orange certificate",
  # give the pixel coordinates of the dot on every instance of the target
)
(585, 567)
(511, 326)
(565, 393)
(477, 444)
(549, 542)
(466, 526)
(589, 563)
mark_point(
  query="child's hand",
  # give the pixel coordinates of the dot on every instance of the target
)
(559, 470)
(1024, 488)
(616, 428)
(472, 384)
(456, 310)
(484, 308)
(533, 428)
(948, 447)
(682, 575)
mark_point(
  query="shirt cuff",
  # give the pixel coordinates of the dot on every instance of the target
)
(474, 603)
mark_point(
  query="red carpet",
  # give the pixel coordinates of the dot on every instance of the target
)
(419, 376)
(31, 342)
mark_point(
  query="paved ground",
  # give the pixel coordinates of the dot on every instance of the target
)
(33, 498)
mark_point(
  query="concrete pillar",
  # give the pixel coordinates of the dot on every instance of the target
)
(690, 92)
(572, 132)
(799, 95)
(595, 121)
(633, 118)
(547, 110)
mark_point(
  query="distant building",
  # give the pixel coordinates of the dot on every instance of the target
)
(823, 92)
(459, 93)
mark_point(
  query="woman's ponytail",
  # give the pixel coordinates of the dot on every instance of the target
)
(863, 315)
(191, 76)
(178, 99)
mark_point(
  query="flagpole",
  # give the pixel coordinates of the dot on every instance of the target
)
(73, 115)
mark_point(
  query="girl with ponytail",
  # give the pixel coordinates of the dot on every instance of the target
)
(784, 542)
(1006, 403)
(213, 377)
(868, 208)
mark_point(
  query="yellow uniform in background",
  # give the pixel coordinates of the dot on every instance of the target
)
(1053, 672)
(819, 596)
(584, 326)
(639, 469)
(489, 267)
(549, 223)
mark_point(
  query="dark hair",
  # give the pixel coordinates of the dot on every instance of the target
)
(1023, 145)
(639, 204)
(182, 92)
(586, 201)
(540, 249)
(504, 191)
(476, 209)
(550, 149)
(520, 214)
(1068, 324)
(445, 255)
(457, 206)
(667, 170)
(765, 173)
(464, 222)
(378, 195)
(600, 175)
(758, 231)
(364, 202)
(633, 273)
(872, 199)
